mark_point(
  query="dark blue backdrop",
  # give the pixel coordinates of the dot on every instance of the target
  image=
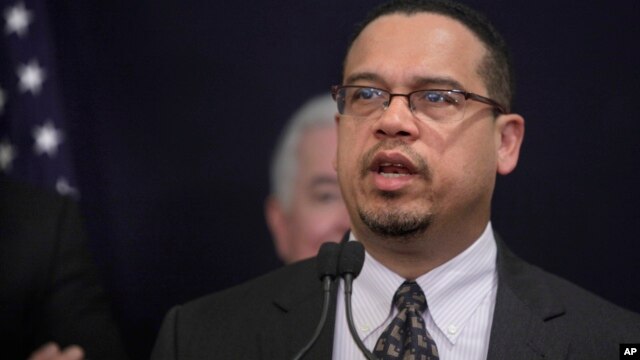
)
(172, 160)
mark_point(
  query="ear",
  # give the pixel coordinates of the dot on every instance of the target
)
(334, 161)
(277, 222)
(509, 136)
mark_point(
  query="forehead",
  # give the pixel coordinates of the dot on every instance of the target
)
(404, 50)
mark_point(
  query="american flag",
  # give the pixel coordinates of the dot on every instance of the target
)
(34, 146)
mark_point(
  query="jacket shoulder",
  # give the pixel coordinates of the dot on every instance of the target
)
(261, 291)
(571, 310)
(586, 307)
(254, 309)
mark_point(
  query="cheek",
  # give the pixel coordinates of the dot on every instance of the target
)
(467, 164)
(347, 157)
(352, 134)
(312, 227)
(301, 230)
(343, 154)
(486, 155)
(477, 155)
(477, 168)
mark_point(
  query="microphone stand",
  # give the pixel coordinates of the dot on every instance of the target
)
(326, 284)
(348, 279)
(350, 264)
(327, 269)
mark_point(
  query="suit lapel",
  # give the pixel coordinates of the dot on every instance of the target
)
(523, 326)
(323, 348)
(300, 303)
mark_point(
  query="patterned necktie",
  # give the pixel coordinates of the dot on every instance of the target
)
(406, 337)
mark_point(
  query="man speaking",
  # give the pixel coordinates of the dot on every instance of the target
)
(424, 126)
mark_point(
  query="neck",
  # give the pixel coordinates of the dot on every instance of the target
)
(411, 257)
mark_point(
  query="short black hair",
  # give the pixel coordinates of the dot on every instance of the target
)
(496, 68)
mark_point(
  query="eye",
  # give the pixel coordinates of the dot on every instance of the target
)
(439, 97)
(366, 93)
(363, 101)
(435, 99)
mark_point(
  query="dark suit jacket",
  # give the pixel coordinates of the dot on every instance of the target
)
(537, 316)
(49, 288)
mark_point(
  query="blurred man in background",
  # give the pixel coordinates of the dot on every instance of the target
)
(305, 208)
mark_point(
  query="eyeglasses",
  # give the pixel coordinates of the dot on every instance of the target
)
(430, 105)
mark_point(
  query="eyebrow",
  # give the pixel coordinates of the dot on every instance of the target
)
(418, 81)
(366, 76)
(445, 81)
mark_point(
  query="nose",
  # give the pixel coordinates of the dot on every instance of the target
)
(397, 120)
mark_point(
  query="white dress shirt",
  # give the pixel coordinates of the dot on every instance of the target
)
(461, 296)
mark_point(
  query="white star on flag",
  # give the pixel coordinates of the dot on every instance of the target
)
(18, 19)
(7, 154)
(3, 100)
(48, 138)
(31, 77)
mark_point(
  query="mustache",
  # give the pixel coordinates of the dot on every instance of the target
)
(422, 168)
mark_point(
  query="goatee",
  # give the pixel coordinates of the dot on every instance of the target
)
(395, 223)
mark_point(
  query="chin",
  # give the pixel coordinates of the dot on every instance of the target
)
(396, 223)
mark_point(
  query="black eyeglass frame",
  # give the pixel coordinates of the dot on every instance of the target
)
(467, 95)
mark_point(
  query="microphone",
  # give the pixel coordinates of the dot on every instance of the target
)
(327, 261)
(349, 266)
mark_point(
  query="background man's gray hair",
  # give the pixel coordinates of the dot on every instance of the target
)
(317, 112)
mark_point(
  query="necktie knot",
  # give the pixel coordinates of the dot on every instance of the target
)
(410, 296)
(406, 337)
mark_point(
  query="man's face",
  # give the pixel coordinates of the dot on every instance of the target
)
(444, 172)
(317, 213)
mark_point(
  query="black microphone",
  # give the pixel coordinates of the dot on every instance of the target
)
(349, 266)
(327, 262)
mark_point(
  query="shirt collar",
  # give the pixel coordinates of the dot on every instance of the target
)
(454, 290)
(373, 292)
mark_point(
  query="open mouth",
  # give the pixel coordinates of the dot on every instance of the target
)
(392, 166)
(391, 170)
